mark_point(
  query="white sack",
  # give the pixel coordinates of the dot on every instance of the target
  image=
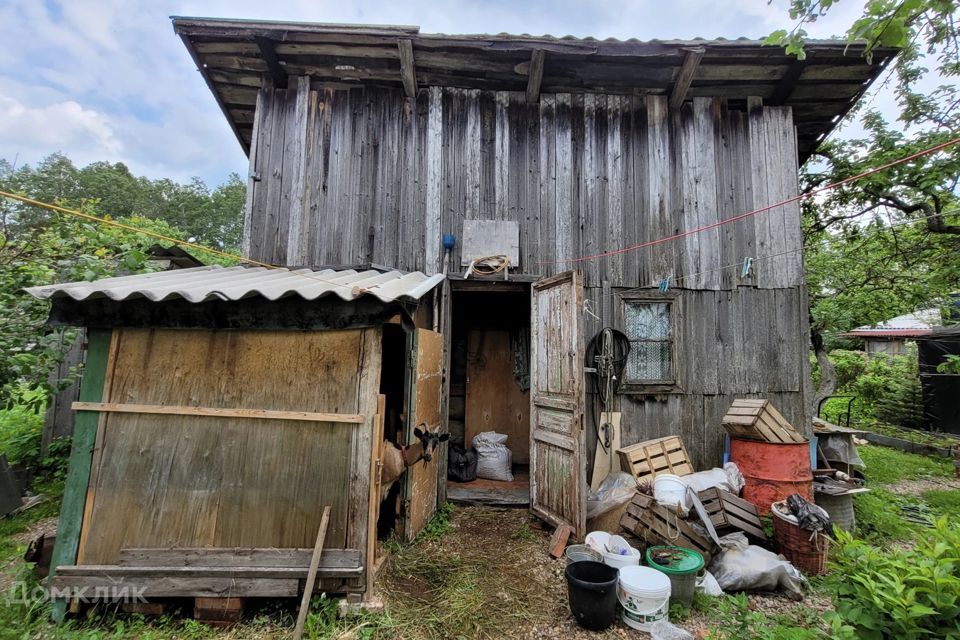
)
(494, 459)
(728, 479)
(741, 566)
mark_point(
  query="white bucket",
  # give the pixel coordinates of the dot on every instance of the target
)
(670, 491)
(644, 595)
(597, 540)
(618, 560)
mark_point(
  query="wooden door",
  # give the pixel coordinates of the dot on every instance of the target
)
(557, 470)
(425, 384)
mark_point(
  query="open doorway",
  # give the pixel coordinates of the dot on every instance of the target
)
(490, 382)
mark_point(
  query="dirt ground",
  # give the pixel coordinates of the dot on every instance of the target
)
(497, 560)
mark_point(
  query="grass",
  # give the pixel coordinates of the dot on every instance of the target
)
(887, 466)
(914, 435)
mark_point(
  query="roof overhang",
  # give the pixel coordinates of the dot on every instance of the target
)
(236, 57)
(213, 283)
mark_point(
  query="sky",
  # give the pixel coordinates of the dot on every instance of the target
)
(109, 80)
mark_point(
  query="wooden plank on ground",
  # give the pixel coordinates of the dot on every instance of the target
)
(311, 575)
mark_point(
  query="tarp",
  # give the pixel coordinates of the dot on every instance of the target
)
(941, 391)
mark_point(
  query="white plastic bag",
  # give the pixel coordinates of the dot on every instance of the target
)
(708, 585)
(615, 490)
(728, 478)
(741, 566)
(666, 630)
(494, 459)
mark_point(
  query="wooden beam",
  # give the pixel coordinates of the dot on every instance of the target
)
(407, 67)
(535, 75)
(685, 77)
(278, 74)
(235, 557)
(92, 387)
(117, 571)
(261, 414)
(174, 587)
(787, 84)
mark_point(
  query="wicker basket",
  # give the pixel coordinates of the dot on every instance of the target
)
(807, 552)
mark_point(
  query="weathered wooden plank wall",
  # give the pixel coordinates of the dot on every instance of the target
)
(195, 481)
(582, 174)
(381, 177)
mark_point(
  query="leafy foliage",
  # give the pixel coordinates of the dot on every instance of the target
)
(38, 247)
(888, 243)
(885, 593)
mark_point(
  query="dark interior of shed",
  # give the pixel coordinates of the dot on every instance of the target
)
(490, 379)
(393, 388)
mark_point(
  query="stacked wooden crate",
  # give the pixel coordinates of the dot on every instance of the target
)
(759, 420)
(729, 512)
(659, 525)
(645, 460)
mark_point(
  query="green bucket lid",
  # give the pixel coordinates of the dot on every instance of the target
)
(676, 561)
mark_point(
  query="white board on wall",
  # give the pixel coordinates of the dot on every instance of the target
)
(482, 238)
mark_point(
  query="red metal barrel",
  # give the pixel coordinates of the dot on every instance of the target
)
(772, 471)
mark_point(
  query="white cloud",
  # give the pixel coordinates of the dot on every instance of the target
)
(55, 126)
(109, 80)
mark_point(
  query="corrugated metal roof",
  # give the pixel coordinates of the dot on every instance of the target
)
(236, 283)
(908, 325)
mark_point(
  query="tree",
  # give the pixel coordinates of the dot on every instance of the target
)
(884, 245)
(211, 217)
(39, 247)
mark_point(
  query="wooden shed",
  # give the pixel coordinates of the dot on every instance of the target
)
(222, 408)
(635, 165)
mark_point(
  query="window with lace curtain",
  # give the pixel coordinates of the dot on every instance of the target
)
(650, 326)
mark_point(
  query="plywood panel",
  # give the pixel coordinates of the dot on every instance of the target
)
(194, 481)
(495, 402)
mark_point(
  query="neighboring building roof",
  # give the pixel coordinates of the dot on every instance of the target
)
(234, 55)
(236, 283)
(910, 325)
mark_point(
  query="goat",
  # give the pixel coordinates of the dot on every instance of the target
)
(396, 459)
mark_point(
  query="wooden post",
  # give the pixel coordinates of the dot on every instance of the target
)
(312, 575)
(92, 389)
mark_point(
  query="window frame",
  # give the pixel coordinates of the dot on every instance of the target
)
(671, 298)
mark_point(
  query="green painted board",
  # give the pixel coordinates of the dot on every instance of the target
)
(81, 456)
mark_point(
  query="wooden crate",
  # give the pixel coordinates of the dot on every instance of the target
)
(657, 525)
(759, 420)
(728, 511)
(645, 460)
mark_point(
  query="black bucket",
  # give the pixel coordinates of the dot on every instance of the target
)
(592, 591)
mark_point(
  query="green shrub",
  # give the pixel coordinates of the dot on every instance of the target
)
(908, 594)
(21, 428)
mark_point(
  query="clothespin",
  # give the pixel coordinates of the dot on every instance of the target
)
(664, 284)
(588, 309)
(747, 266)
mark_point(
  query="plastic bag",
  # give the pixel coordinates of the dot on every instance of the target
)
(741, 566)
(666, 630)
(708, 585)
(494, 459)
(615, 490)
(809, 516)
(462, 465)
(728, 478)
